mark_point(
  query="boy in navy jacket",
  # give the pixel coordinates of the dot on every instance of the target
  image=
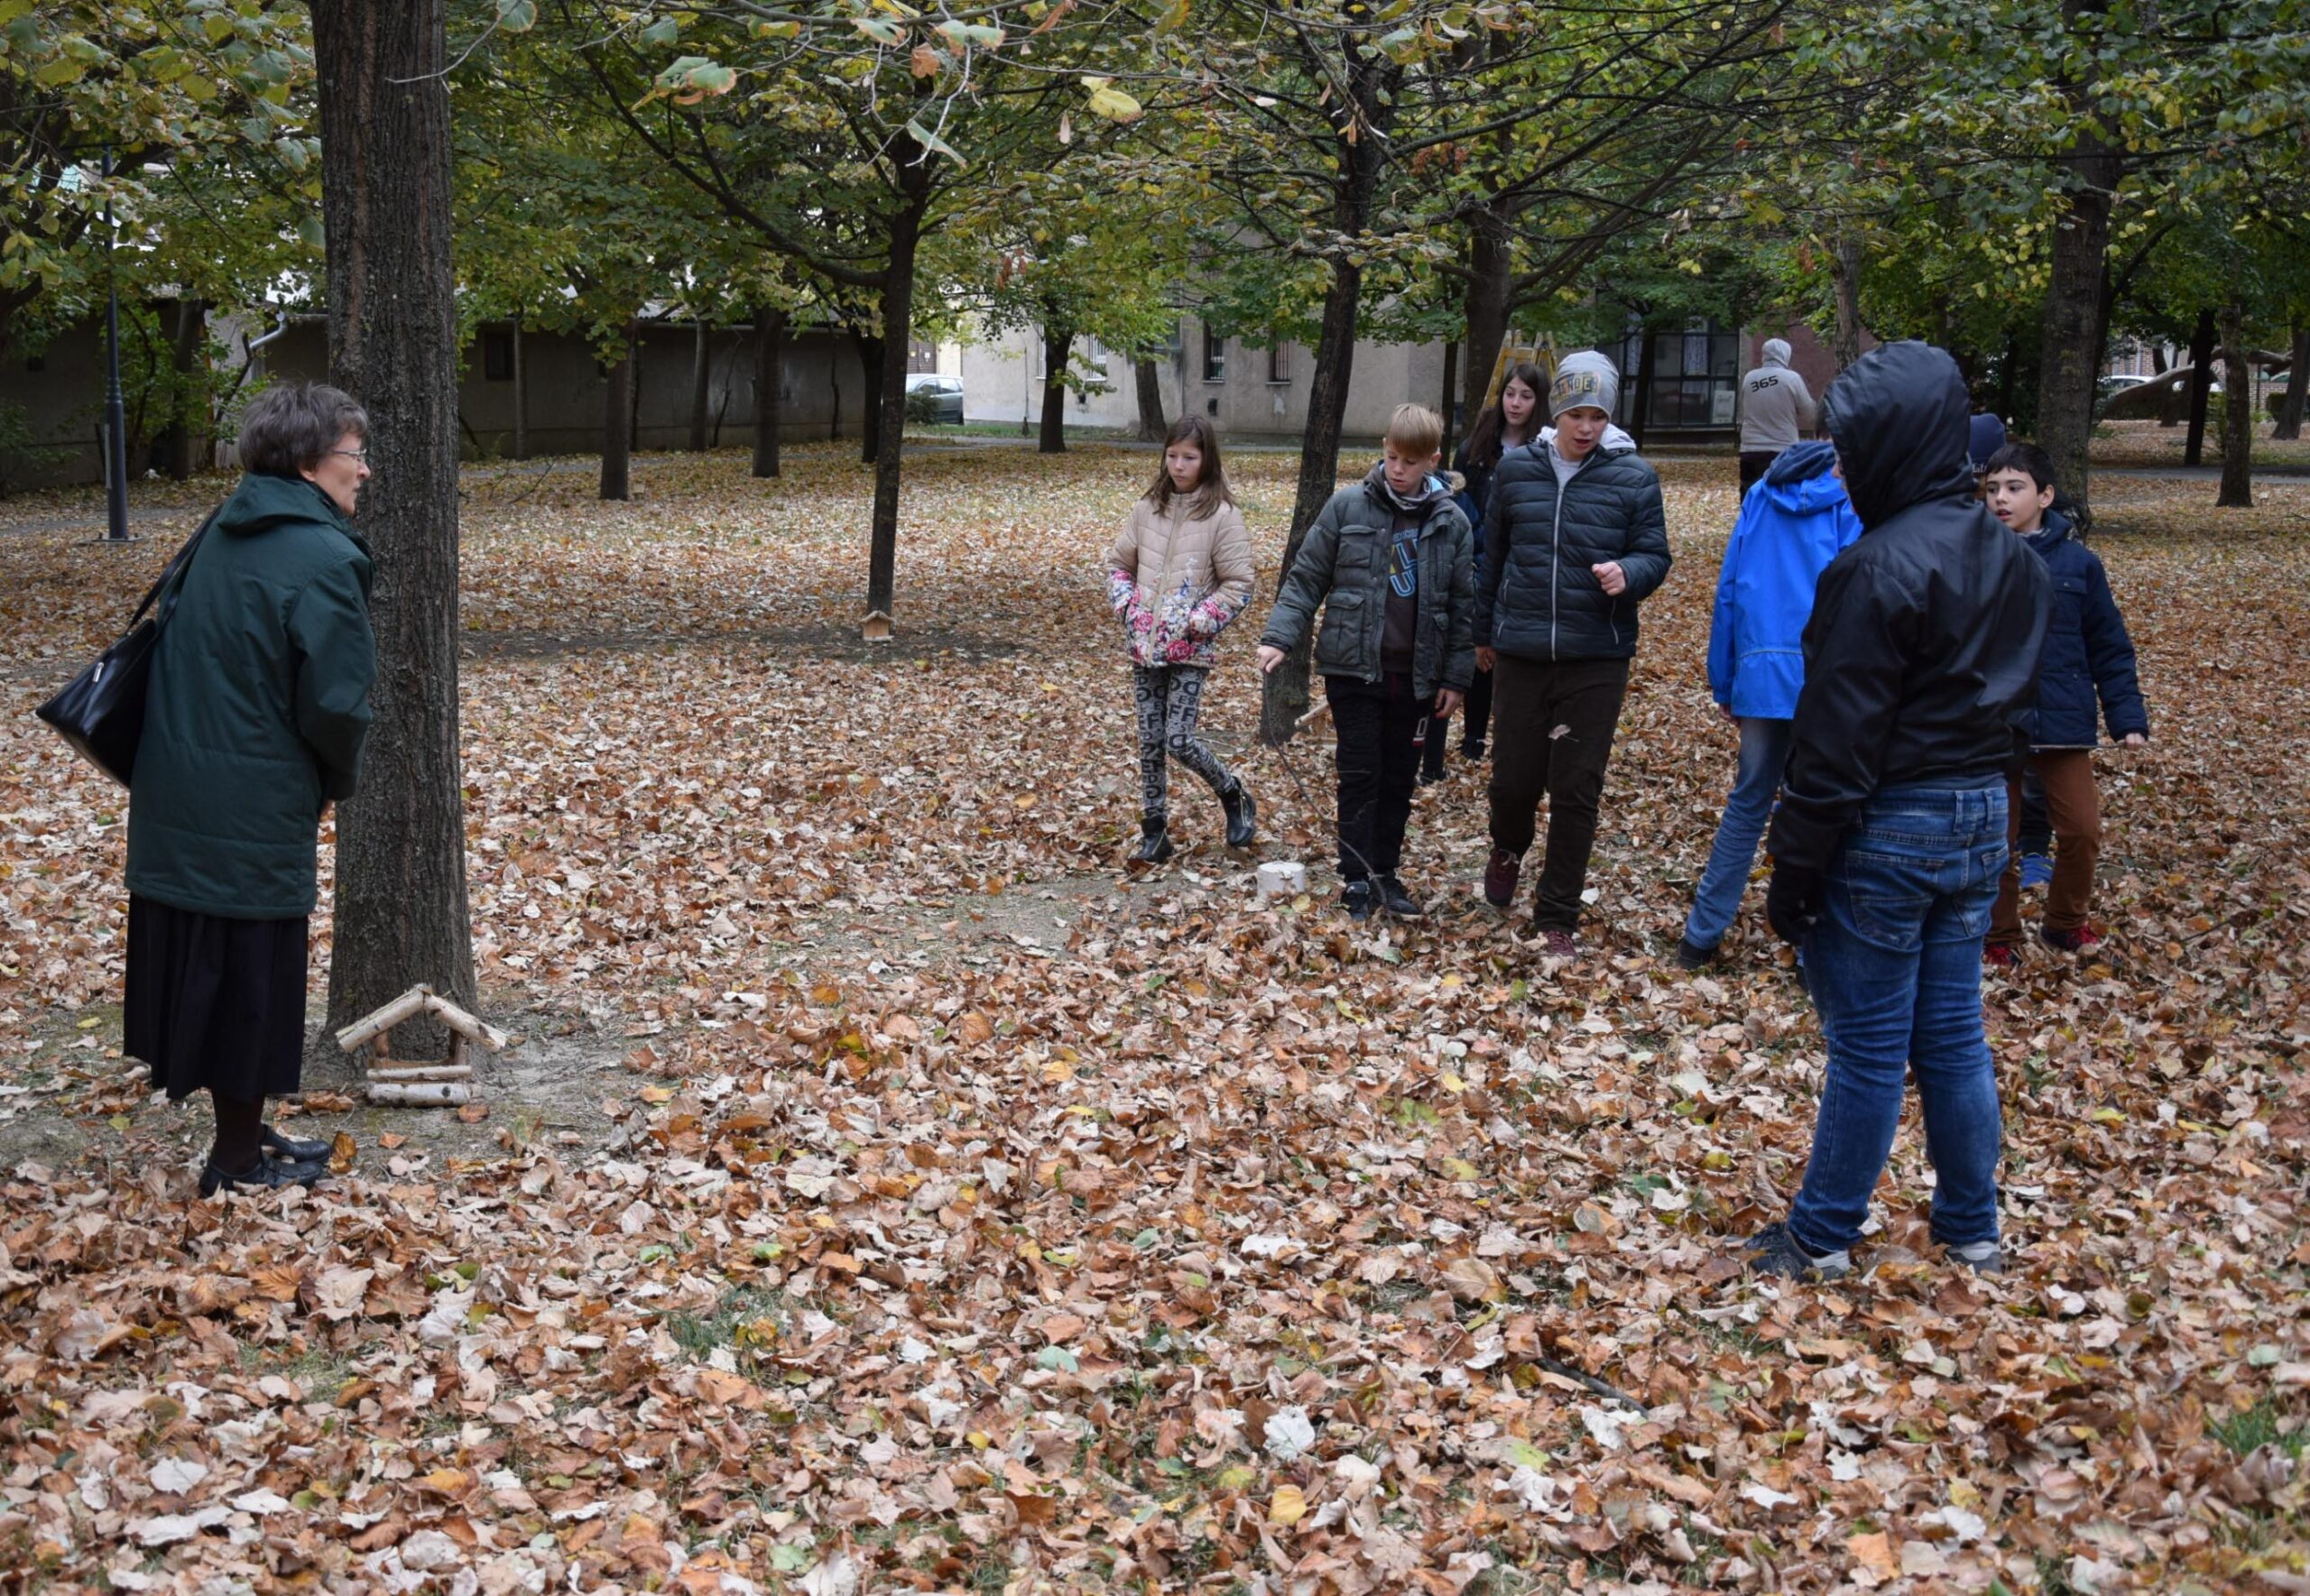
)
(2088, 657)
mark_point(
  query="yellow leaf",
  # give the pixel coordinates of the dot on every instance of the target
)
(1058, 1071)
(1288, 1507)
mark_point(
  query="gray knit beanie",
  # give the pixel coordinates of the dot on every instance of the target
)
(1585, 378)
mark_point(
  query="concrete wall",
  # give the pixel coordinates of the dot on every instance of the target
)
(62, 390)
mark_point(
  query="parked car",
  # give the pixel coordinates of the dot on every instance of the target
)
(2112, 386)
(930, 397)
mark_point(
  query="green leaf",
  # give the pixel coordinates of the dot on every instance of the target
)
(661, 32)
(934, 143)
(517, 16)
(1108, 101)
(881, 31)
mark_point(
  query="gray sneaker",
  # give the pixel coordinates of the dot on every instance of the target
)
(1772, 1252)
(1983, 1257)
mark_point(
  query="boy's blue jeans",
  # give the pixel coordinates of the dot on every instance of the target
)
(1764, 754)
(1895, 967)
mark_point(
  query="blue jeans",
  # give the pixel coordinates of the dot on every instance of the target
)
(1895, 967)
(1764, 754)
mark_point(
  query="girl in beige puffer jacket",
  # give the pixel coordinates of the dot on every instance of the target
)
(1178, 572)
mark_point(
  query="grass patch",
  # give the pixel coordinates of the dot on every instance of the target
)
(2258, 1426)
(746, 1319)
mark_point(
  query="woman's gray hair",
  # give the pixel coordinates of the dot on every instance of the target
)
(289, 428)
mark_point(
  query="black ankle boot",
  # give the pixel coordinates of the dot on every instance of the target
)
(1154, 843)
(1242, 815)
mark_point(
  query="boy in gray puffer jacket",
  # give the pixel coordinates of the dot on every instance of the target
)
(1390, 562)
(1578, 538)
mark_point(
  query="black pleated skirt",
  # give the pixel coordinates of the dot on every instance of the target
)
(214, 1004)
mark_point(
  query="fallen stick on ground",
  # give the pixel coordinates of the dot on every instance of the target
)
(421, 1072)
(421, 1094)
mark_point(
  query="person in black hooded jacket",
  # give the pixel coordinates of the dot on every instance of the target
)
(1920, 663)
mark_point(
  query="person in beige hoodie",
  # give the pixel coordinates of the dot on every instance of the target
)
(1178, 572)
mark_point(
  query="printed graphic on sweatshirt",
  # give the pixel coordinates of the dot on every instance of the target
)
(1403, 562)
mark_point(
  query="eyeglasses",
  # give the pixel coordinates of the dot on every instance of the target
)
(359, 457)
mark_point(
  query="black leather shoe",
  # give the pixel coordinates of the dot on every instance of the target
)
(1400, 903)
(1357, 899)
(1242, 815)
(1154, 843)
(266, 1176)
(1692, 955)
(289, 1150)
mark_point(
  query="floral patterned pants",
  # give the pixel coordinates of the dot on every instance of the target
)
(1170, 698)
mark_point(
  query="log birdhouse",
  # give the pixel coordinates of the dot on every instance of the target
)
(446, 1082)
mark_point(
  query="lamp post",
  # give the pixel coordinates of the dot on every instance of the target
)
(116, 410)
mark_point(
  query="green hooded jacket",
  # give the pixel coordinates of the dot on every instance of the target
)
(258, 706)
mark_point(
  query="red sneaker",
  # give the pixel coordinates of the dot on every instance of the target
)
(1500, 873)
(2084, 939)
(2000, 955)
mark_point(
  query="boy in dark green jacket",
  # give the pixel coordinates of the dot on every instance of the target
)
(1390, 563)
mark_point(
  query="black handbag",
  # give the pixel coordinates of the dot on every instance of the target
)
(101, 711)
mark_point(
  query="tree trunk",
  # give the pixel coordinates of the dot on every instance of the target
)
(2298, 385)
(1648, 365)
(617, 425)
(2157, 360)
(770, 388)
(1059, 348)
(869, 363)
(2237, 413)
(1149, 379)
(635, 349)
(401, 912)
(890, 407)
(1844, 270)
(1372, 85)
(701, 382)
(521, 399)
(1450, 408)
(1485, 303)
(177, 440)
(2069, 350)
(2201, 386)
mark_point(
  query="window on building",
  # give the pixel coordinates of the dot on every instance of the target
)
(1214, 356)
(1278, 366)
(497, 356)
(1694, 378)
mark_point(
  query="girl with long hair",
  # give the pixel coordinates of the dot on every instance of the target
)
(1509, 422)
(1178, 572)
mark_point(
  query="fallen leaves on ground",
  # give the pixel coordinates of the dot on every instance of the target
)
(987, 1217)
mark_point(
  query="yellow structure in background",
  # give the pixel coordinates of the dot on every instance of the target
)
(1542, 354)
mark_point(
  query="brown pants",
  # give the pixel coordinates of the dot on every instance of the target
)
(2075, 809)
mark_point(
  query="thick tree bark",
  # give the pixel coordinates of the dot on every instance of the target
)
(2237, 413)
(770, 388)
(402, 910)
(701, 383)
(617, 425)
(1485, 303)
(1149, 376)
(521, 399)
(889, 406)
(192, 330)
(2201, 387)
(2298, 385)
(869, 363)
(1371, 84)
(1844, 266)
(1059, 348)
(2077, 295)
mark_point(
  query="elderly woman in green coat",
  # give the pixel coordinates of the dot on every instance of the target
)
(259, 702)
